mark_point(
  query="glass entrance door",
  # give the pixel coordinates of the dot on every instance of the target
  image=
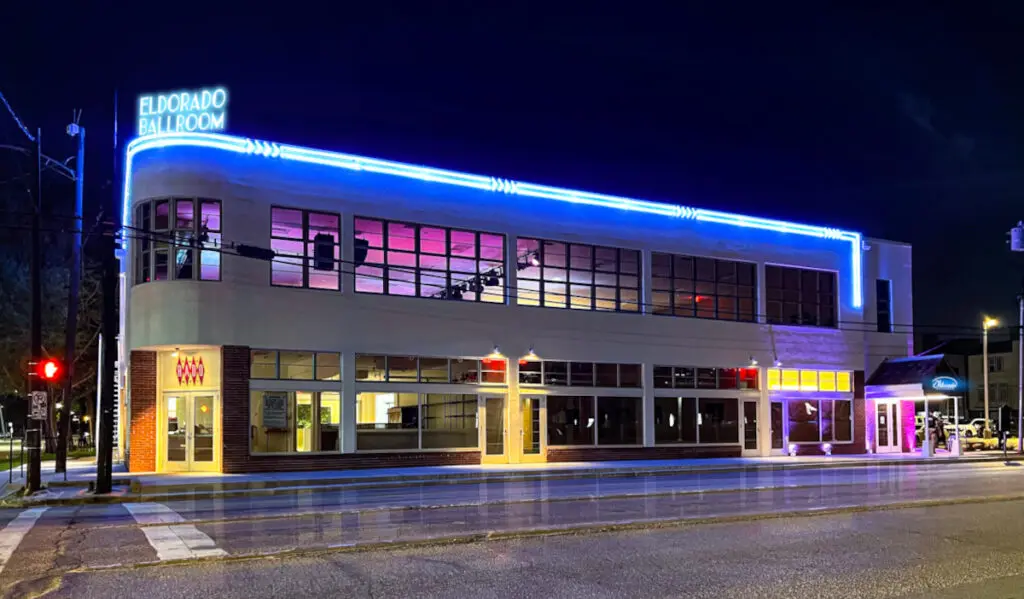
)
(514, 431)
(532, 432)
(776, 426)
(494, 435)
(887, 435)
(190, 432)
(750, 427)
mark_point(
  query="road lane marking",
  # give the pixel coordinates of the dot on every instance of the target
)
(169, 535)
(15, 531)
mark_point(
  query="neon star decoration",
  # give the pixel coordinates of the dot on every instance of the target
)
(274, 151)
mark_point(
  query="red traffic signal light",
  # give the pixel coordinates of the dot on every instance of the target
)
(48, 370)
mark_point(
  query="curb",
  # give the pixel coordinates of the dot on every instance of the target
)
(269, 488)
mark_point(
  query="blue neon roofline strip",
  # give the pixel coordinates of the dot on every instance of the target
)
(254, 147)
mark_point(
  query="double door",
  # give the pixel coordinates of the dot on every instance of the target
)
(191, 431)
(514, 432)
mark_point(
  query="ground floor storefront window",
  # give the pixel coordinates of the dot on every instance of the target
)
(412, 421)
(590, 420)
(820, 420)
(706, 420)
(295, 421)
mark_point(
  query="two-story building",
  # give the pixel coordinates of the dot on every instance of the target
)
(288, 308)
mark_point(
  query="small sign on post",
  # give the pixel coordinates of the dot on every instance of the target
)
(37, 411)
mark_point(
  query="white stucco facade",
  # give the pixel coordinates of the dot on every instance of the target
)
(244, 309)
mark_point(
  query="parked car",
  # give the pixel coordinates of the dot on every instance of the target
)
(979, 425)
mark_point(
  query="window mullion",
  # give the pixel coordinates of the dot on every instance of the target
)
(543, 272)
(386, 259)
(196, 239)
(476, 259)
(304, 233)
(417, 274)
(419, 420)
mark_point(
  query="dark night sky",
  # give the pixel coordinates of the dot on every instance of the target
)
(904, 123)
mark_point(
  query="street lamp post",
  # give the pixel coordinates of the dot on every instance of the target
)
(986, 324)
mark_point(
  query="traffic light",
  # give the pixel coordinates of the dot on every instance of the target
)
(49, 370)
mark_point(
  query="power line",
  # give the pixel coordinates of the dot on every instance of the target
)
(14, 115)
(510, 292)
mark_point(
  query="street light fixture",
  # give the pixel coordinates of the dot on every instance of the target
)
(986, 324)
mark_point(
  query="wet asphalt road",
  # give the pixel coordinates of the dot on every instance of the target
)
(961, 551)
(71, 546)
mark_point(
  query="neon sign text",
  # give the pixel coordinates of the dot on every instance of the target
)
(945, 383)
(202, 110)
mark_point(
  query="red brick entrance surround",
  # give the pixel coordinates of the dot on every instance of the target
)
(142, 439)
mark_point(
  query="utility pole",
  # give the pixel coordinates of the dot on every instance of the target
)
(1020, 371)
(986, 324)
(33, 437)
(1017, 245)
(111, 269)
(74, 285)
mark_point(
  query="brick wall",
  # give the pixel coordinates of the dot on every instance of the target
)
(234, 377)
(590, 454)
(142, 365)
(350, 461)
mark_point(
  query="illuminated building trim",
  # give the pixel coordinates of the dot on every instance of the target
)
(271, 150)
(809, 381)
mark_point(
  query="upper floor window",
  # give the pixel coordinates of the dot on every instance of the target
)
(177, 238)
(425, 261)
(703, 287)
(995, 364)
(578, 276)
(883, 305)
(800, 296)
(306, 248)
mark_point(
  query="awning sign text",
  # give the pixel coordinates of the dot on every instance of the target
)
(201, 110)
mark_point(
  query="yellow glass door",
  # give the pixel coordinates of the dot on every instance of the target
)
(191, 432)
(533, 433)
(203, 441)
(177, 420)
(494, 433)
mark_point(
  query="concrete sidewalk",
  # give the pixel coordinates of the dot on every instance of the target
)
(134, 487)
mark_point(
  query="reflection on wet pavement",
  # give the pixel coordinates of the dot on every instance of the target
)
(440, 495)
(337, 529)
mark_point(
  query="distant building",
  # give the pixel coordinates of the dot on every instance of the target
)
(965, 356)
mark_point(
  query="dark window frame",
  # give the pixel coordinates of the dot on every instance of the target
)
(684, 277)
(784, 299)
(688, 377)
(883, 305)
(307, 244)
(152, 242)
(541, 300)
(482, 372)
(469, 289)
(540, 373)
(314, 365)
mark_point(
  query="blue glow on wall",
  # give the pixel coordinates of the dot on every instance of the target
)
(275, 151)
